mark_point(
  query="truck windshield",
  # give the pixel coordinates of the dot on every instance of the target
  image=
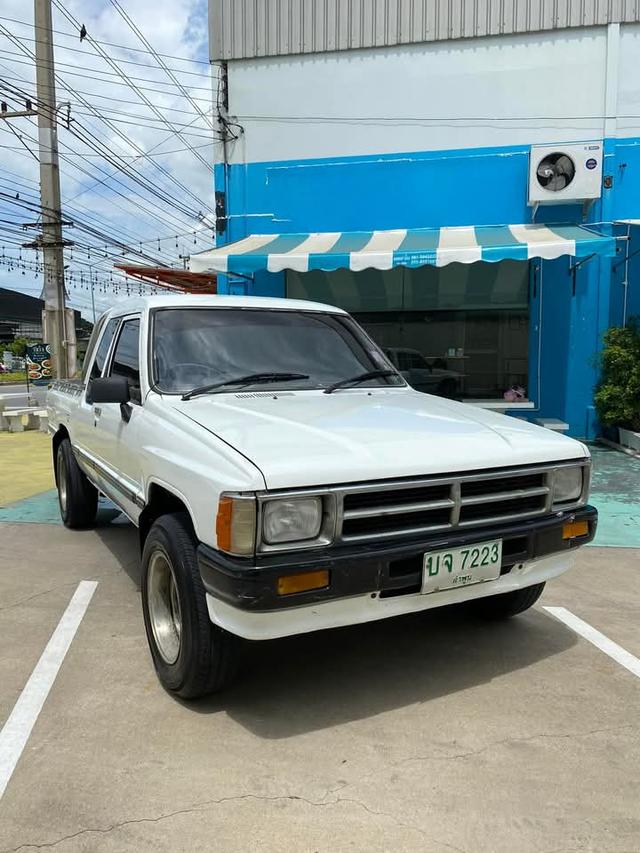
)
(192, 347)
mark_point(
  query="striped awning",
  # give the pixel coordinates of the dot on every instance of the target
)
(416, 247)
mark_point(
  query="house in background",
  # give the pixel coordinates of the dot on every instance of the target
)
(21, 317)
(463, 178)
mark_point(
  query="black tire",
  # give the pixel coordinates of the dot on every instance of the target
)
(196, 658)
(507, 603)
(77, 496)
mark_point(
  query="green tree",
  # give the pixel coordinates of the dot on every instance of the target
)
(18, 347)
(617, 397)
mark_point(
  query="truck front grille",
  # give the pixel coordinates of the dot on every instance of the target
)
(407, 507)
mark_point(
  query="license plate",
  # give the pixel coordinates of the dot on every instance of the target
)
(461, 566)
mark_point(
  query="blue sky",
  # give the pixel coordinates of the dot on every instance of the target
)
(160, 129)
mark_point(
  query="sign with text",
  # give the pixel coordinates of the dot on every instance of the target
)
(39, 367)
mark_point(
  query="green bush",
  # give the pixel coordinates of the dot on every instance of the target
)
(617, 397)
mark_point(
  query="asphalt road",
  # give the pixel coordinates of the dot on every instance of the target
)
(425, 733)
(38, 391)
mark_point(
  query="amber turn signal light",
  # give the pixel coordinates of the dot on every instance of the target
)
(236, 525)
(303, 582)
(572, 529)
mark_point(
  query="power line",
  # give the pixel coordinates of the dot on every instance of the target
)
(74, 35)
(129, 142)
(36, 207)
(151, 212)
(182, 130)
(124, 156)
(89, 139)
(199, 74)
(106, 82)
(110, 74)
(128, 237)
(136, 30)
(132, 85)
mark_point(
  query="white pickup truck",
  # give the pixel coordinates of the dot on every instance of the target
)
(285, 478)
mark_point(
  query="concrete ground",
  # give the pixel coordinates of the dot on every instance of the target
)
(426, 733)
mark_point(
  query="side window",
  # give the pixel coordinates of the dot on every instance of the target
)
(91, 346)
(126, 357)
(103, 348)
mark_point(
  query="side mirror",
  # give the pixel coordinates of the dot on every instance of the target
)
(109, 389)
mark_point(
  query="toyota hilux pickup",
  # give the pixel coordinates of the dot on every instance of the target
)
(284, 478)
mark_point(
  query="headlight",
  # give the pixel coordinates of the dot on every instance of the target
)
(567, 484)
(291, 520)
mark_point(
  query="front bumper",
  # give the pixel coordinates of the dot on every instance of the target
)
(386, 571)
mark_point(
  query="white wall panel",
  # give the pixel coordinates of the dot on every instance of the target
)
(629, 81)
(497, 91)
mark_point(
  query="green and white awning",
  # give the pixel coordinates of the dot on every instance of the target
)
(415, 247)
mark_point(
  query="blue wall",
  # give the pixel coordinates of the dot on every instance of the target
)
(460, 187)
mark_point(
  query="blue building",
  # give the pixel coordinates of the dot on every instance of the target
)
(463, 178)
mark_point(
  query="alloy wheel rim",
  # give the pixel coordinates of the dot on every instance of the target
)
(165, 614)
(62, 482)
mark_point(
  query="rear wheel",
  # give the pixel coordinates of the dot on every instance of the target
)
(77, 496)
(507, 603)
(192, 657)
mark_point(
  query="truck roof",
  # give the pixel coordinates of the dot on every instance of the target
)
(185, 300)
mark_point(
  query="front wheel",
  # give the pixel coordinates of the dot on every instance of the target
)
(77, 496)
(192, 657)
(507, 603)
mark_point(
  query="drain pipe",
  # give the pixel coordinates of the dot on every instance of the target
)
(625, 282)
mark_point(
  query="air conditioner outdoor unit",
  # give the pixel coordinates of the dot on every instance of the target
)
(560, 174)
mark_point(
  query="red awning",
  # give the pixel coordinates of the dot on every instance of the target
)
(172, 279)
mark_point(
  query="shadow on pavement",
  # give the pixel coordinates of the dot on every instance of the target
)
(121, 538)
(314, 681)
(302, 684)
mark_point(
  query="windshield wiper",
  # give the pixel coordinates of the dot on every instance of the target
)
(249, 379)
(361, 377)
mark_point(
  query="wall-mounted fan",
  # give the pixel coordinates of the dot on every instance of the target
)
(555, 171)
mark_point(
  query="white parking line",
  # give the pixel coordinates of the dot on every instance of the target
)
(15, 732)
(620, 655)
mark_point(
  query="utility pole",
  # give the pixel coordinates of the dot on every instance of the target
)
(58, 321)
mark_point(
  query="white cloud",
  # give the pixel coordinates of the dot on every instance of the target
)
(101, 195)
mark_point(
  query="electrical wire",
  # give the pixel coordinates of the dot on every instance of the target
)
(60, 6)
(110, 74)
(66, 48)
(153, 213)
(129, 21)
(74, 35)
(133, 145)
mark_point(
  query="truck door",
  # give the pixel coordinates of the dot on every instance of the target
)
(117, 427)
(83, 433)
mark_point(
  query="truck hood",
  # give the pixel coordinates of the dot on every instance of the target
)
(307, 438)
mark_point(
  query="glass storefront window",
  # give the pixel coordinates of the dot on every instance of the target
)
(459, 331)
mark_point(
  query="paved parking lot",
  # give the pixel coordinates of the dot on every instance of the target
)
(426, 733)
